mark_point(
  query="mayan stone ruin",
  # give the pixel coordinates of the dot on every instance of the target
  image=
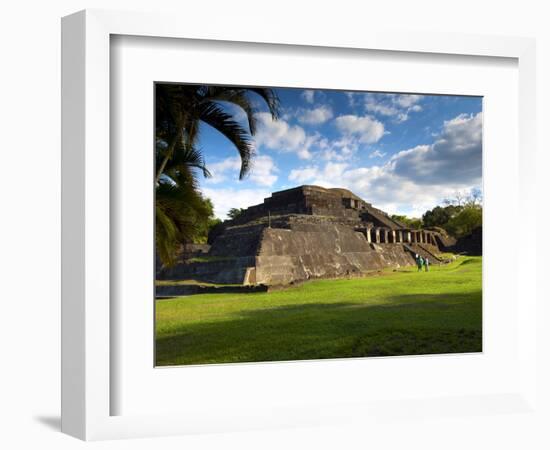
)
(304, 233)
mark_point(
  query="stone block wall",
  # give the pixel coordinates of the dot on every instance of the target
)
(227, 271)
(303, 233)
(287, 256)
(238, 241)
(311, 200)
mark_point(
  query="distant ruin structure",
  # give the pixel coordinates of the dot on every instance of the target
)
(304, 233)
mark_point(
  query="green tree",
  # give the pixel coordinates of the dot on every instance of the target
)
(178, 221)
(208, 224)
(182, 212)
(235, 212)
(411, 222)
(463, 199)
(439, 216)
(467, 213)
(463, 223)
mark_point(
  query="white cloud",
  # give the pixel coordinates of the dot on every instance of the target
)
(351, 98)
(263, 171)
(303, 152)
(416, 179)
(219, 170)
(341, 149)
(367, 129)
(392, 193)
(281, 136)
(379, 186)
(315, 116)
(224, 199)
(334, 170)
(308, 95)
(284, 137)
(384, 109)
(407, 100)
(377, 154)
(412, 182)
(397, 106)
(302, 175)
(329, 176)
(233, 162)
(455, 156)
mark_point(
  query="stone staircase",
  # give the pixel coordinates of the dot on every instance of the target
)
(425, 253)
(382, 219)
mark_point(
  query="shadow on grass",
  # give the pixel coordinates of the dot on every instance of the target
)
(409, 325)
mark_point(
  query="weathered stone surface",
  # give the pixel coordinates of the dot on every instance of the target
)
(304, 233)
(227, 271)
(318, 201)
(238, 241)
(443, 240)
(326, 251)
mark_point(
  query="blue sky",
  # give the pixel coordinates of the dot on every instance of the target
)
(404, 153)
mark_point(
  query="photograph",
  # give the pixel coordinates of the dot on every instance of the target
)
(300, 224)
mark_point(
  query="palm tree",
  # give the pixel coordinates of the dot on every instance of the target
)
(180, 209)
(180, 110)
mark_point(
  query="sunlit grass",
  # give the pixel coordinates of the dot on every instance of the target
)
(397, 313)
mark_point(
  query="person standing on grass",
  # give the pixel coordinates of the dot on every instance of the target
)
(419, 263)
(426, 264)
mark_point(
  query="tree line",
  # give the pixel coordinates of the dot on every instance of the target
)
(458, 216)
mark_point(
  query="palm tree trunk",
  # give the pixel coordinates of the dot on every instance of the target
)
(169, 152)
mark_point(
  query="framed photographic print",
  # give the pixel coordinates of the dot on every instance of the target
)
(268, 230)
(269, 254)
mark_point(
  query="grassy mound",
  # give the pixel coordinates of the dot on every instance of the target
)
(396, 313)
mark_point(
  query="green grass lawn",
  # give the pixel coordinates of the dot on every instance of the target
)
(395, 313)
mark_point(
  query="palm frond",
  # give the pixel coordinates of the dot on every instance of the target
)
(180, 215)
(214, 115)
(185, 157)
(181, 211)
(271, 98)
(166, 236)
(237, 97)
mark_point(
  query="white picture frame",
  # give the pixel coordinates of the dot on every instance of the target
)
(86, 247)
